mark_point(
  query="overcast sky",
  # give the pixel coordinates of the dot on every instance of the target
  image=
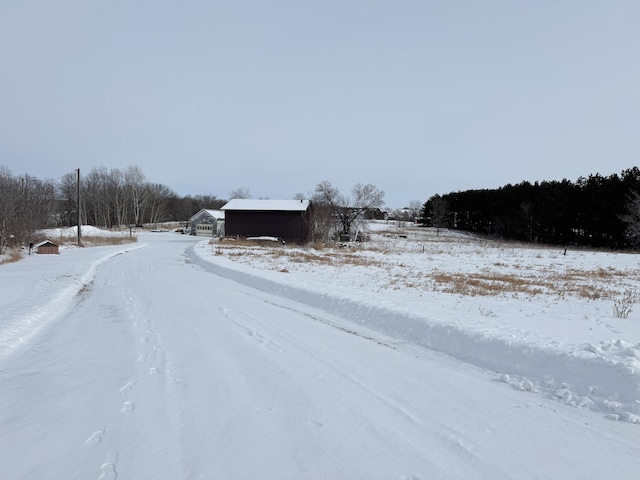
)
(417, 97)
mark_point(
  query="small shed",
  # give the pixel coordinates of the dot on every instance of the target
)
(47, 247)
(286, 219)
(207, 223)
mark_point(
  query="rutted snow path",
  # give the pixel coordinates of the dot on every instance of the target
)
(605, 378)
(161, 369)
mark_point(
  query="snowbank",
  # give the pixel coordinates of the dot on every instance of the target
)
(590, 362)
(85, 230)
(574, 351)
(40, 287)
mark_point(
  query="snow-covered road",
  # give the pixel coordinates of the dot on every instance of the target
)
(159, 368)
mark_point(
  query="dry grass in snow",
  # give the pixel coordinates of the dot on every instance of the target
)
(418, 260)
(90, 236)
(68, 237)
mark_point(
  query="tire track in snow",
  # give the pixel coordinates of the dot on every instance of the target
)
(320, 357)
(253, 334)
(331, 368)
(567, 378)
(35, 319)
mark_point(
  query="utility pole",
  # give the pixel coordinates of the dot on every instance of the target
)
(78, 209)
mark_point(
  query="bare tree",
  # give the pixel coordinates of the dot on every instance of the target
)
(241, 192)
(9, 188)
(68, 199)
(137, 193)
(414, 209)
(346, 210)
(37, 206)
(323, 222)
(116, 198)
(26, 205)
(159, 197)
(410, 213)
(97, 208)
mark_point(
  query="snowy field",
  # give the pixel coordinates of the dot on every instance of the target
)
(412, 356)
(559, 323)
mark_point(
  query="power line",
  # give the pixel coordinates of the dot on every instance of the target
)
(27, 176)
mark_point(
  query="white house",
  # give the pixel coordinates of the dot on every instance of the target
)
(207, 223)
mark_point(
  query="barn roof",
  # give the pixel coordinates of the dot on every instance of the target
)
(217, 214)
(241, 204)
(45, 243)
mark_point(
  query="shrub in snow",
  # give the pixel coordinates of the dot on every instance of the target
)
(623, 305)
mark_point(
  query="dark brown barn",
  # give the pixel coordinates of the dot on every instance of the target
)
(286, 219)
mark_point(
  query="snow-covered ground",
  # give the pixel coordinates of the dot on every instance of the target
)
(544, 318)
(411, 356)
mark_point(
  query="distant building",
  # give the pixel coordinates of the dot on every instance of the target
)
(286, 219)
(47, 247)
(207, 223)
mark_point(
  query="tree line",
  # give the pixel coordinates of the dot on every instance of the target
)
(113, 198)
(106, 198)
(593, 211)
(26, 203)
